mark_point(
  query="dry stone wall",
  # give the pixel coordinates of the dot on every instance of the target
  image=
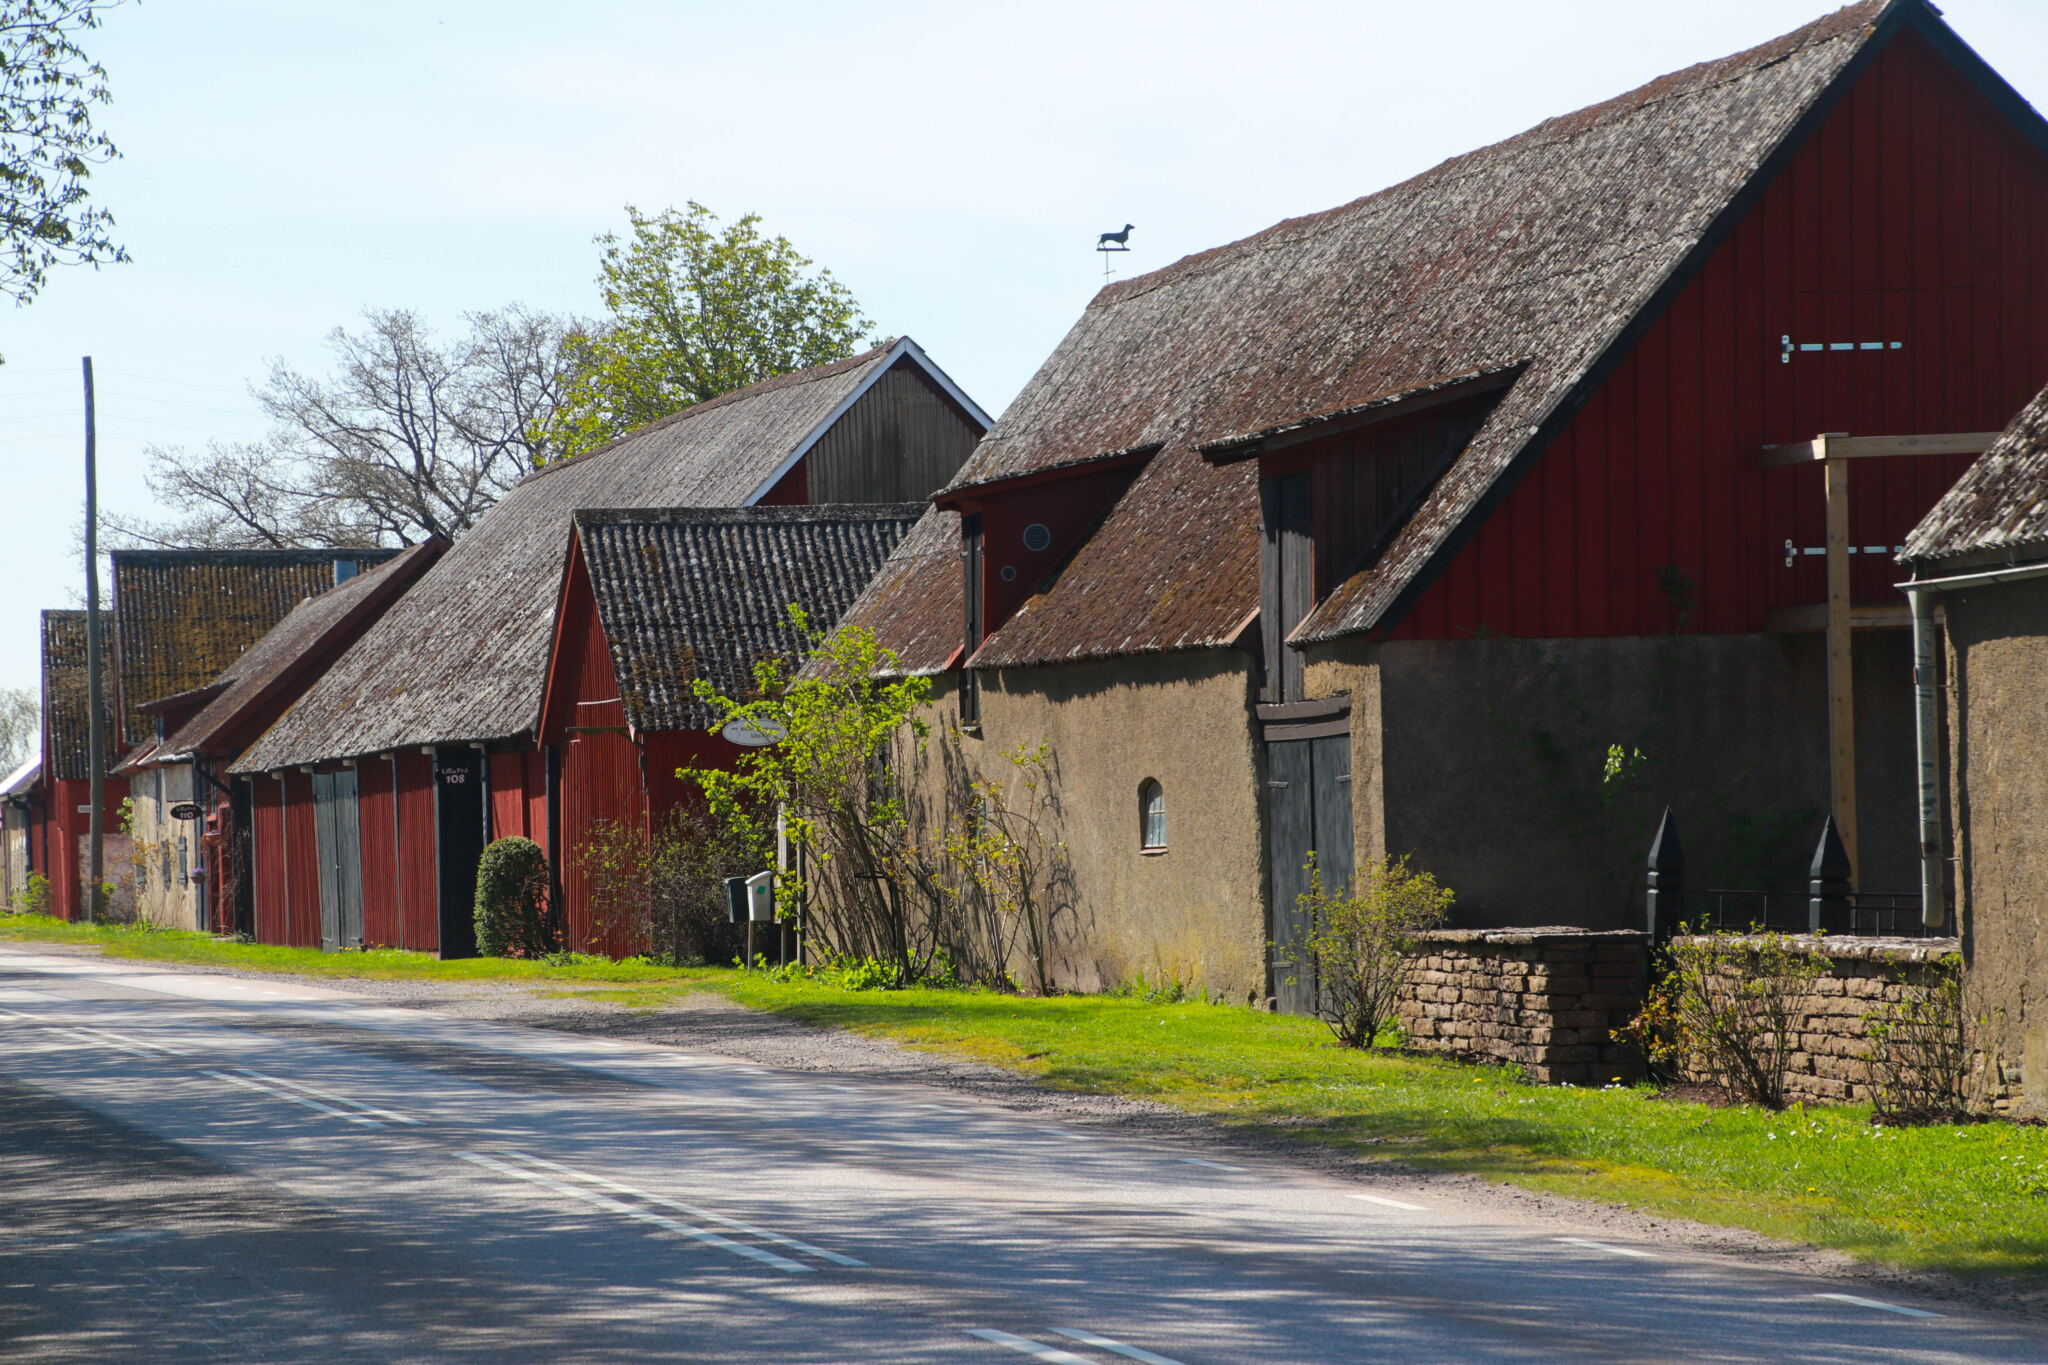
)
(1547, 1000)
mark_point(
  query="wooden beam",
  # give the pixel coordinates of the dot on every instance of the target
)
(1841, 686)
(1812, 618)
(1842, 446)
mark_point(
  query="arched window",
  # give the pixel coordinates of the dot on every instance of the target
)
(1151, 815)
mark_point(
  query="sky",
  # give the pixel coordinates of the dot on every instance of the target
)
(286, 166)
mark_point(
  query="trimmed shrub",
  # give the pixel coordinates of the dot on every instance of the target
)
(512, 918)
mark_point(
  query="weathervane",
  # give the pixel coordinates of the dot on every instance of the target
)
(1112, 241)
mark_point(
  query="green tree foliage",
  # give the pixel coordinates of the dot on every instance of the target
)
(1359, 942)
(696, 311)
(870, 884)
(512, 917)
(48, 145)
(1015, 880)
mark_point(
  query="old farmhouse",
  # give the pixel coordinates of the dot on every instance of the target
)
(1481, 518)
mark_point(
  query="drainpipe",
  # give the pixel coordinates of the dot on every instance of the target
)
(1921, 593)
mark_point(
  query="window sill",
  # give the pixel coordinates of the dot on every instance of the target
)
(1151, 853)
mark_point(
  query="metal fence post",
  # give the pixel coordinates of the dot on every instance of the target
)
(1828, 879)
(1665, 900)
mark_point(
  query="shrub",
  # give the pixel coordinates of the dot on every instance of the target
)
(512, 918)
(687, 918)
(1920, 1050)
(32, 897)
(1732, 1007)
(1359, 942)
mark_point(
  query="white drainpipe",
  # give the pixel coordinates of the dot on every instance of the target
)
(1926, 724)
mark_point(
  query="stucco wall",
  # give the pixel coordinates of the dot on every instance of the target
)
(1998, 716)
(151, 871)
(1483, 760)
(1194, 912)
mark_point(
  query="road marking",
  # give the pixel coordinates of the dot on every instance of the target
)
(1390, 1203)
(1861, 1302)
(1025, 1346)
(642, 1215)
(705, 1214)
(331, 1096)
(1212, 1165)
(848, 1089)
(1603, 1246)
(272, 1090)
(942, 1109)
(1115, 1347)
(1071, 1137)
(120, 1042)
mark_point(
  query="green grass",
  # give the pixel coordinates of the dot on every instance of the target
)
(1968, 1200)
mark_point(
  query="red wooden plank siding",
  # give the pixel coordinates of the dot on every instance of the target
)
(418, 878)
(267, 852)
(377, 814)
(602, 795)
(301, 863)
(1915, 214)
(537, 798)
(508, 795)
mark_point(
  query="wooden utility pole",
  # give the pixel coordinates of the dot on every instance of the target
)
(1841, 657)
(95, 737)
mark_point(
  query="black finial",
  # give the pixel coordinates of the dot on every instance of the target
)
(1665, 903)
(1828, 878)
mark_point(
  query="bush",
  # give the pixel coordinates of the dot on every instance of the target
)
(512, 918)
(1920, 1050)
(33, 896)
(1359, 942)
(1730, 1009)
(687, 916)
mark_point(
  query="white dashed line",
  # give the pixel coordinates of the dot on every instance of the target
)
(1071, 1137)
(1879, 1304)
(277, 1093)
(330, 1096)
(1025, 1346)
(1603, 1246)
(1115, 1347)
(1212, 1165)
(1390, 1203)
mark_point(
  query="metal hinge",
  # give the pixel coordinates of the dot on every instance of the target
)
(1786, 346)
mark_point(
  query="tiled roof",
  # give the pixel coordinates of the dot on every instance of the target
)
(66, 714)
(705, 593)
(2000, 505)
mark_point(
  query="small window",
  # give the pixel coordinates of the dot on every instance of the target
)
(1151, 815)
(1037, 537)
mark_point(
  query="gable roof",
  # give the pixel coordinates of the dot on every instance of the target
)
(705, 593)
(66, 710)
(232, 700)
(184, 615)
(2000, 505)
(464, 657)
(23, 779)
(1543, 257)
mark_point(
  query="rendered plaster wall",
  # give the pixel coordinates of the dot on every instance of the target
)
(151, 872)
(1193, 912)
(1484, 761)
(1998, 774)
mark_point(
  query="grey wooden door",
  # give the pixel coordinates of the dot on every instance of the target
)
(1308, 810)
(338, 836)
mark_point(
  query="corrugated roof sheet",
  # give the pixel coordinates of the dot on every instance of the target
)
(2001, 502)
(66, 724)
(1540, 250)
(705, 593)
(184, 615)
(463, 656)
(302, 630)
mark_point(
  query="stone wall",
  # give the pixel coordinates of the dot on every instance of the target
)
(1547, 1000)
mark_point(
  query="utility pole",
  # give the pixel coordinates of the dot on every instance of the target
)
(95, 740)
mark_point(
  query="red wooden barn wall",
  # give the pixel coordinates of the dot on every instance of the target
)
(519, 794)
(669, 751)
(418, 875)
(1915, 214)
(301, 863)
(267, 853)
(376, 818)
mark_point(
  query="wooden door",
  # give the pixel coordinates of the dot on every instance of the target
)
(338, 838)
(1308, 810)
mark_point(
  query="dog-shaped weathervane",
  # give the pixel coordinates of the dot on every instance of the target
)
(1114, 241)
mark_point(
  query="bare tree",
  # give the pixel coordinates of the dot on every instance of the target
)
(404, 439)
(21, 720)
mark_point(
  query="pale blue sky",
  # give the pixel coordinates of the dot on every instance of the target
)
(287, 165)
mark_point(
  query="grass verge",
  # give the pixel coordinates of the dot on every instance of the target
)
(1967, 1200)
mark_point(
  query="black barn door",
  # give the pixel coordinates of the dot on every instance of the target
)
(459, 822)
(1308, 810)
(338, 837)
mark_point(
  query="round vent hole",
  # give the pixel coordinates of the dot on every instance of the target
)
(1037, 536)
(1009, 573)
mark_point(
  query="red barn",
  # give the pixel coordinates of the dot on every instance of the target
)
(443, 694)
(651, 603)
(1480, 518)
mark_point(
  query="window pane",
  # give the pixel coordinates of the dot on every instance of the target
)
(1153, 828)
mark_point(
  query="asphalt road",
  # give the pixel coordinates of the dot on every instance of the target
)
(207, 1168)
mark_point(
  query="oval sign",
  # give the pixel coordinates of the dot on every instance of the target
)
(753, 734)
(185, 810)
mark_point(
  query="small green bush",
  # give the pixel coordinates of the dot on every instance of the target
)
(512, 918)
(33, 896)
(1731, 1007)
(1359, 942)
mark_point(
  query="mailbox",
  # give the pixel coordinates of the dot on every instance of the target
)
(735, 900)
(761, 898)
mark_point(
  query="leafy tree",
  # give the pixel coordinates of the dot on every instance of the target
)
(21, 720)
(869, 885)
(408, 437)
(696, 312)
(48, 145)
